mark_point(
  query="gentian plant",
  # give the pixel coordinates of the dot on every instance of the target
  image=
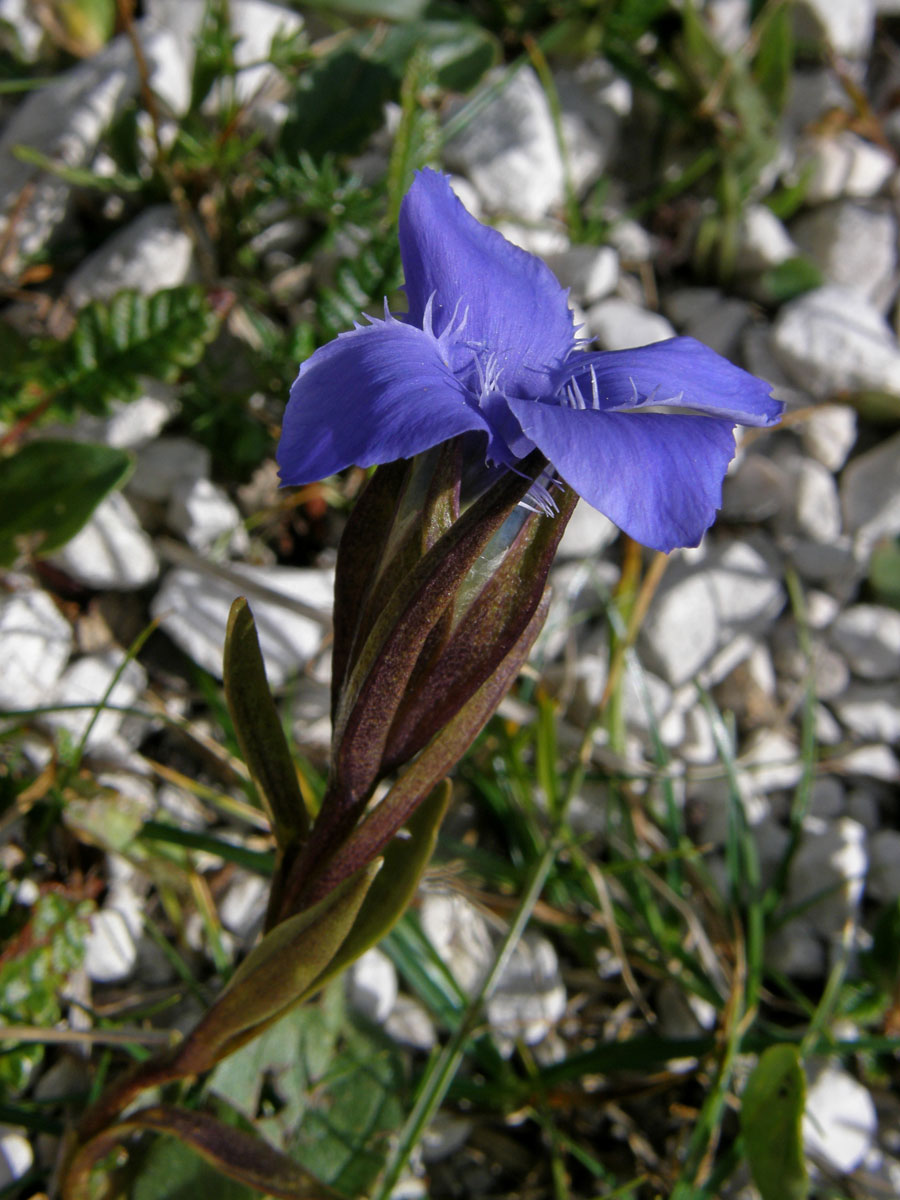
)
(486, 419)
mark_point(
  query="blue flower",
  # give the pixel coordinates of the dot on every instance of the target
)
(489, 347)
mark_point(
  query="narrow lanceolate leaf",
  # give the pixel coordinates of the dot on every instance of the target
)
(113, 345)
(416, 782)
(405, 508)
(489, 628)
(771, 1124)
(383, 667)
(259, 730)
(395, 884)
(275, 976)
(49, 489)
(234, 1152)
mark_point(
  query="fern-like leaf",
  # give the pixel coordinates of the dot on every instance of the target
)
(110, 349)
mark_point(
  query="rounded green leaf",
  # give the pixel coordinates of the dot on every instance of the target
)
(49, 489)
(771, 1117)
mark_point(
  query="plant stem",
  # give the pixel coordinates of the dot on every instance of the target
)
(442, 1070)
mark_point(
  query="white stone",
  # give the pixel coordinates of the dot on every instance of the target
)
(65, 120)
(645, 698)
(830, 863)
(110, 952)
(618, 324)
(816, 510)
(681, 631)
(35, 643)
(771, 761)
(876, 762)
(754, 488)
(130, 423)
(763, 241)
(163, 463)
(729, 23)
(632, 241)
(243, 907)
(202, 512)
(722, 325)
(543, 240)
(16, 1155)
(813, 93)
(883, 880)
(589, 126)
(871, 711)
(846, 25)
(193, 605)
(85, 683)
(445, 1134)
(588, 533)
(831, 674)
(821, 609)
(855, 247)
(509, 152)
(590, 271)
(868, 635)
(862, 806)
(111, 551)
(834, 563)
(254, 25)
(827, 727)
(17, 22)
(842, 165)
(746, 591)
(681, 1013)
(829, 434)
(796, 950)
(870, 493)
(530, 997)
(593, 99)
(372, 985)
(459, 934)
(147, 255)
(839, 1122)
(410, 1025)
(831, 340)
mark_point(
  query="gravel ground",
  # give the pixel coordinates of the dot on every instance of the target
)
(784, 579)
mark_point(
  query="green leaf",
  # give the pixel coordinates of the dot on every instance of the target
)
(882, 962)
(387, 10)
(773, 65)
(275, 976)
(338, 104)
(771, 1123)
(395, 884)
(789, 279)
(88, 23)
(287, 1059)
(258, 729)
(457, 52)
(881, 408)
(111, 348)
(234, 1152)
(884, 572)
(172, 1169)
(343, 1136)
(49, 489)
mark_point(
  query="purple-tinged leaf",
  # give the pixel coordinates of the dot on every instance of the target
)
(405, 508)
(233, 1152)
(446, 749)
(491, 625)
(259, 731)
(275, 975)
